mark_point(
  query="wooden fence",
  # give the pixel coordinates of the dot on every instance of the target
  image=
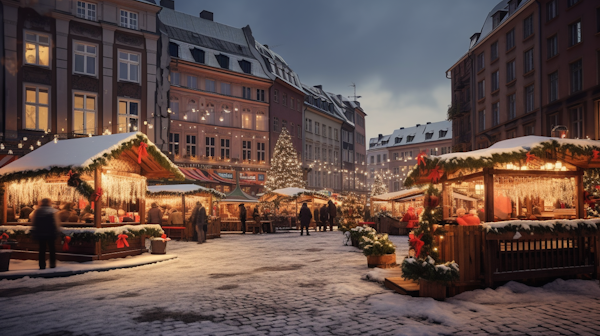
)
(486, 258)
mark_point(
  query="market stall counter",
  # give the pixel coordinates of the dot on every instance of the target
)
(97, 184)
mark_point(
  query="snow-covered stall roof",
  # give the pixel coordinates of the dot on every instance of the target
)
(391, 196)
(85, 154)
(577, 152)
(183, 189)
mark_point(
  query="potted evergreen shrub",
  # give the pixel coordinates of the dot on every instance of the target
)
(159, 244)
(361, 231)
(379, 250)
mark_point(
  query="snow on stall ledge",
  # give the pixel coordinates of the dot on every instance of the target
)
(527, 225)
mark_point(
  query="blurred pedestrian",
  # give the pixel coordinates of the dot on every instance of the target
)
(305, 217)
(243, 217)
(323, 218)
(45, 230)
(200, 221)
(332, 214)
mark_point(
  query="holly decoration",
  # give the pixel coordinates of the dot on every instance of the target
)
(74, 179)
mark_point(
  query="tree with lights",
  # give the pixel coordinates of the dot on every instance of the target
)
(352, 211)
(379, 187)
(285, 168)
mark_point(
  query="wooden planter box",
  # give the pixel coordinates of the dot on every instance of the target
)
(432, 289)
(384, 261)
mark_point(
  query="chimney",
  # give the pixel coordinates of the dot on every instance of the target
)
(206, 15)
(401, 128)
(380, 136)
(168, 4)
(266, 46)
(429, 122)
(418, 125)
(320, 87)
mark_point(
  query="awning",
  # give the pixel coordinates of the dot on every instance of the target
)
(463, 197)
(6, 159)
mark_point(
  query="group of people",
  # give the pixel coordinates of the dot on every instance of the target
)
(324, 215)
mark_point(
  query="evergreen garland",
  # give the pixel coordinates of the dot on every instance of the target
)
(578, 226)
(285, 168)
(415, 269)
(351, 213)
(550, 150)
(91, 237)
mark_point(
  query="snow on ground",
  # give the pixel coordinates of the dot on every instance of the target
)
(280, 284)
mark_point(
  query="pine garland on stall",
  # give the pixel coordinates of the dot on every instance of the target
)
(352, 211)
(424, 246)
(379, 187)
(285, 168)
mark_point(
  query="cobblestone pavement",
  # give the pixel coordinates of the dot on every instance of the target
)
(280, 284)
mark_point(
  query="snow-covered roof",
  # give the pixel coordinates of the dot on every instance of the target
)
(441, 130)
(398, 194)
(291, 191)
(182, 189)
(81, 153)
(488, 25)
(278, 66)
(189, 32)
(338, 101)
(321, 101)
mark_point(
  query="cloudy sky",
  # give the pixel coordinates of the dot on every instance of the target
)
(396, 51)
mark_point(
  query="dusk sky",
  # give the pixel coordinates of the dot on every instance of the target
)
(396, 51)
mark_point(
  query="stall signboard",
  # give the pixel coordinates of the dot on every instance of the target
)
(255, 177)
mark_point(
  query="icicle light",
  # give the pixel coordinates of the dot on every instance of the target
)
(30, 191)
(123, 188)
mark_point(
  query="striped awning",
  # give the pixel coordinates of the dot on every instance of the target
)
(6, 159)
(196, 174)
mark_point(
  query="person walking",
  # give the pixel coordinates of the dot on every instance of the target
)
(305, 217)
(199, 221)
(323, 217)
(154, 215)
(256, 217)
(332, 215)
(243, 217)
(45, 230)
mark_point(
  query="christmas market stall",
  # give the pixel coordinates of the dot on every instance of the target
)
(531, 216)
(182, 198)
(397, 212)
(285, 204)
(99, 186)
(229, 209)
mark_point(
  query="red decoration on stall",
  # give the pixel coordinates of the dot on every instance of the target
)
(163, 236)
(421, 158)
(434, 175)
(431, 201)
(530, 157)
(595, 157)
(122, 241)
(66, 240)
(142, 151)
(95, 197)
(597, 187)
(4, 236)
(416, 243)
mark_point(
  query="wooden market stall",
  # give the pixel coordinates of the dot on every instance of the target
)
(392, 207)
(183, 198)
(529, 193)
(99, 186)
(229, 210)
(289, 201)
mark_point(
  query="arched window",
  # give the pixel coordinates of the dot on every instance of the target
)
(247, 119)
(225, 116)
(174, 108)
(208, 115)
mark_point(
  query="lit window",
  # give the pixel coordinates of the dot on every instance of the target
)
(128, 116)
(37, 49)
(36, 108)
(84, 114)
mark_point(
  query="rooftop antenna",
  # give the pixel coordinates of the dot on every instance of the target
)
(354, 97)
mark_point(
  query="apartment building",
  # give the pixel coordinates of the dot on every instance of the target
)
(360, 146)
(219, 94)
(395, 154)
(76, 68)
(534, 66)
(322, 140)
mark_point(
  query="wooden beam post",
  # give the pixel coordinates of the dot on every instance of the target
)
(4, 203)
(579, 190)
(98, 204)
(446, 201)
(142, 210)
(488, 187)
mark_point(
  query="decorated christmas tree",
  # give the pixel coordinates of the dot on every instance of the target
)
(379, 187)
(285, 168)
(423, 253)
(352, 211)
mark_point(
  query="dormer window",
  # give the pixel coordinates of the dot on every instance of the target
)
(223, 61)
(173, 49)
(246, 66)
(410, 138)
(398, 140)
(497, 18)
(428, 135)
(443, 133)
(384, 142)
(198, 55)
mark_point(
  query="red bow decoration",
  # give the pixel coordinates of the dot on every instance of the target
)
(67, 240)
(163, 236)
(142, 151)
(530, 157)
(597, 187)
(435, 175)
(4, 236)
(421, 158)
(96, 195)
(595, 152)
(122, 241)
(416, 243)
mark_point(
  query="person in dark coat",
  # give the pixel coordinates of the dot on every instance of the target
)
(154, 215)
(305, 217)
(243, 217)
(332, 214)
(256, 217)
(45, 230)
(200, 222)
(323, 218)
